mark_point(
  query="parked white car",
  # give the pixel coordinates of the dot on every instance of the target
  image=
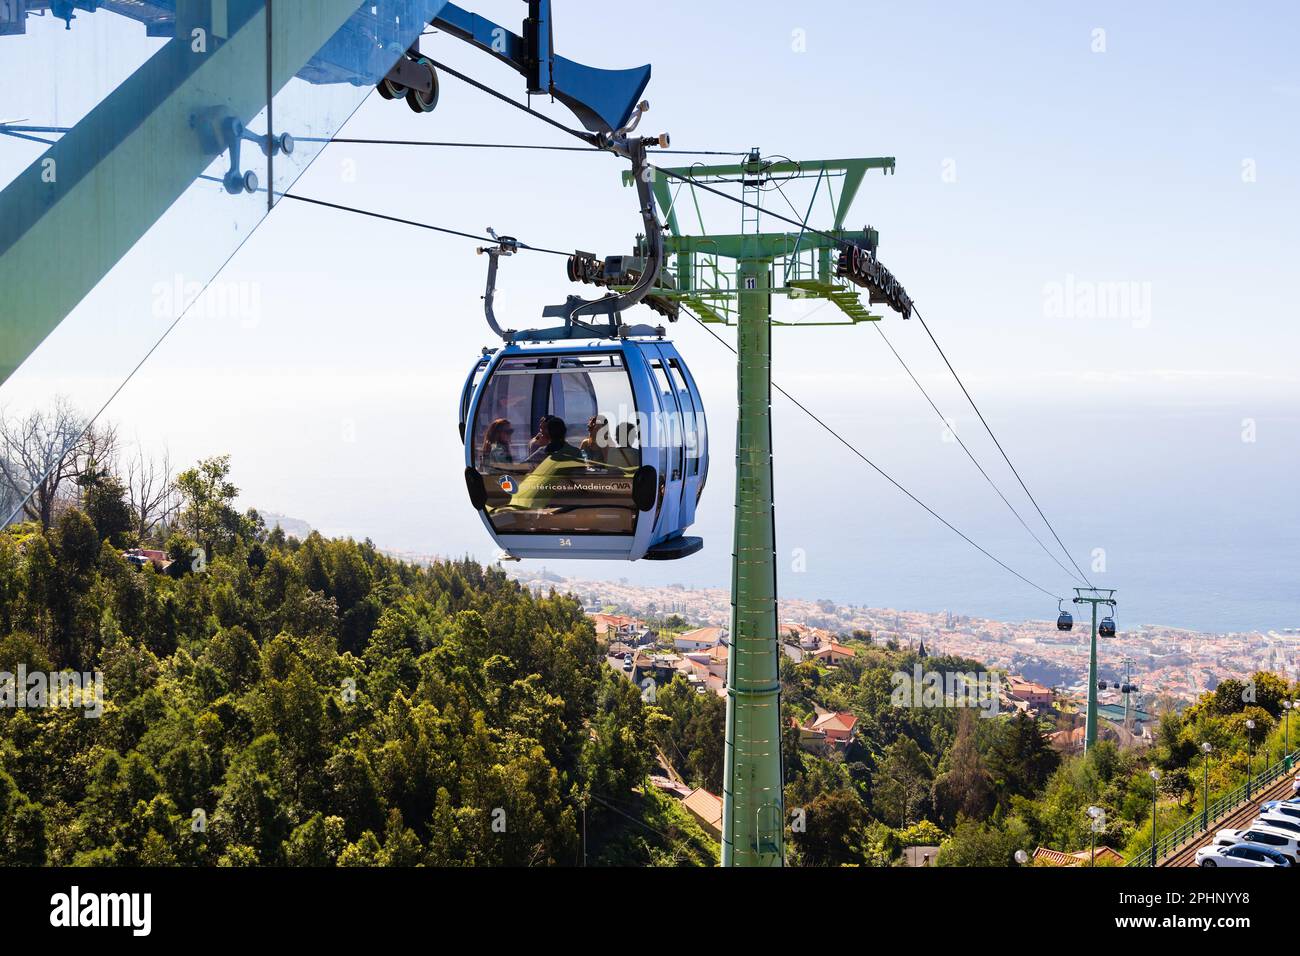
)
(1278, 821)
(1267, 837)
(1290, 808)
(1242, 854)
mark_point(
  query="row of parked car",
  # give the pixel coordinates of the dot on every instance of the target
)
(1273, 839)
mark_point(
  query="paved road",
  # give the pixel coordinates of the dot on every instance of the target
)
(1244, 814)
(617, 665)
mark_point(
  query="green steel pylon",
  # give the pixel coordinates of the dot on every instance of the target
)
(752, 797)
(798, 265)
(1093, 596)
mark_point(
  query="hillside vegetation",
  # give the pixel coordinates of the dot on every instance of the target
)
(270, 701)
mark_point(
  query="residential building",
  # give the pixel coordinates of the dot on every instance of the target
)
(808, 638)
(139, 557)
(700, 639)
(826, 730)
(840, 727)
(707, 669)
(1068, 741)
(832, 653)
(662, 667)
(620, 627)
(814, 741)
(1034, 694)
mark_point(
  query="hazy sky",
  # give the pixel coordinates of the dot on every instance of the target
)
(1044, 151)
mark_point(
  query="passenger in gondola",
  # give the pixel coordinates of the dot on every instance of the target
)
(596, 444)
(549, 442)
(496, 443)
(554, 466)
(539, 438)
(623, 452)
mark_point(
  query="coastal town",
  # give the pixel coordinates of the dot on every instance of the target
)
(653, 644)
(1168, 663)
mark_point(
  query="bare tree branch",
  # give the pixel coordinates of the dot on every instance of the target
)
(149, 491)
(42, 452)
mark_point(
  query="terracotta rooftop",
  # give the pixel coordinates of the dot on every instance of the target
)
(1048, 857)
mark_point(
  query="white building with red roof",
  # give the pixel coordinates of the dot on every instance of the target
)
(620, 627)
(700, 639)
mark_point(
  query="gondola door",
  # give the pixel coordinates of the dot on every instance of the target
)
(694, 438)
(669, 434)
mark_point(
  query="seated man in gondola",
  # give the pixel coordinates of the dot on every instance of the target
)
(556, 465)
(549, 442)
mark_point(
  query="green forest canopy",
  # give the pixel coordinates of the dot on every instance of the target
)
(274, 701)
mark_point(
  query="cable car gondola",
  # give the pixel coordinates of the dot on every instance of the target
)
(1066, 621)
(1107, 627)
(592, 450)
(586, 440)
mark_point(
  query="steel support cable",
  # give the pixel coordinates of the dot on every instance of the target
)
(589, 138)
(23, 132)
(969, 454)
(1005, 457)
(586, 137)
(880, 471)
(928, 332)
(474, 237)
(90, 423)
(366, 141)
(522, 246)
(418, 225)
(802, 226)
(640, 823)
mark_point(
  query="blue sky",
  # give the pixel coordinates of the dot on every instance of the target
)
(1029, 160)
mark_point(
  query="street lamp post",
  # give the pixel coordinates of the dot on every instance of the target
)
(1295, 705)
(1155, 793)
(1096, 814)
(1022, 857)
(1250, 752)
(1206, 748)
(1286, 726)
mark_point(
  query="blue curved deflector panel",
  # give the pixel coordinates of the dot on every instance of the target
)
(602, 99)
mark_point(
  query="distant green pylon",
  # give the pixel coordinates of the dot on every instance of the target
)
(1092, 596)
